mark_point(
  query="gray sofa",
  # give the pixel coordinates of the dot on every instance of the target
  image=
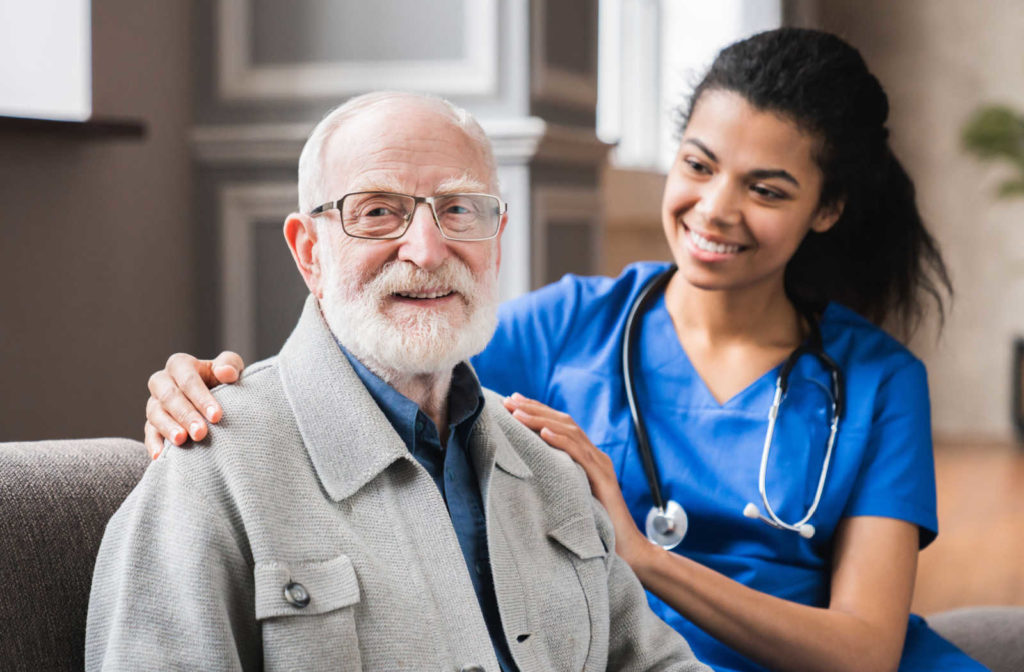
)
(56, 497)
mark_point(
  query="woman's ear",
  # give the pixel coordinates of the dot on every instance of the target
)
(827, 216)
(300, 233)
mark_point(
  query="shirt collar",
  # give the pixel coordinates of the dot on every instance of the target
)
(465, 401)
(400, 411)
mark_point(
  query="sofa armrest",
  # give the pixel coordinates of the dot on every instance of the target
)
(55, 500)
(994, 636)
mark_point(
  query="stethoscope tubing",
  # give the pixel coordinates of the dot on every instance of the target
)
(643, 443)
(665, 512)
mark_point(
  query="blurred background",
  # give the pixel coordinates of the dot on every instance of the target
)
(148, 154)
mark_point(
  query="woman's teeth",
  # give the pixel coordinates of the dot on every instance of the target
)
(424, 295)
(709, 246)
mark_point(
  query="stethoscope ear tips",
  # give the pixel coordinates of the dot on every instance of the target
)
(806, 530)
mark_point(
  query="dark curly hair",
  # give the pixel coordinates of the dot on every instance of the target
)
(878, 258)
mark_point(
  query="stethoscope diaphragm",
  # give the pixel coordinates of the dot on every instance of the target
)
(667, 527)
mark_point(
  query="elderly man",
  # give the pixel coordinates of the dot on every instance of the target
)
(364, 504)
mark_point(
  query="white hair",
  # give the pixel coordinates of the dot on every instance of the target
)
(312, 185)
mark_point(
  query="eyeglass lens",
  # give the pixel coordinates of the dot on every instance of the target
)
(386, 215)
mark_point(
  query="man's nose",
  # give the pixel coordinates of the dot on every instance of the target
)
(719, 202)
(423, 243)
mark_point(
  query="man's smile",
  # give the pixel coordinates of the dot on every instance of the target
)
(425, 294)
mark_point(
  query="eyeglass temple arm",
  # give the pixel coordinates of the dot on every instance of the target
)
(321, 209)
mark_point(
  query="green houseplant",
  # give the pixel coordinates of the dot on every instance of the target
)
(996, 132)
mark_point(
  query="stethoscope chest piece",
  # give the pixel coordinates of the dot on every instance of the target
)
(667, 527)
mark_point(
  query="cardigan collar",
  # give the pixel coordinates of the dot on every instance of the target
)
(347, 436)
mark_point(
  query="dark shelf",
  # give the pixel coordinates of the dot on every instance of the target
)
(98, 128)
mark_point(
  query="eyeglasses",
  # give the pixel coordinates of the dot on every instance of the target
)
(382, 215)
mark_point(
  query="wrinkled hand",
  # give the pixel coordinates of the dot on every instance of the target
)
(179, 391)
(560, 431)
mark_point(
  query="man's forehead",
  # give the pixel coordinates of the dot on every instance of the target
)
(431, 155)
(386, 181)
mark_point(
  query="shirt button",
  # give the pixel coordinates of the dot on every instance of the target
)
(419, 425)
(296, 595)
(472, 667)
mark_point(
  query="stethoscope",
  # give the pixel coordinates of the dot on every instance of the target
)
(667, 522)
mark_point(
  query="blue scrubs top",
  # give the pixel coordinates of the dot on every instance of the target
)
(562, 345)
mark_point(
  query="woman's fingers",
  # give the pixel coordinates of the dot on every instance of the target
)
(181, 400)
(167, 399)
(226, 367)
(560, 431)
(194, 377)
(534, 407)
(164, 423)
(154, 442)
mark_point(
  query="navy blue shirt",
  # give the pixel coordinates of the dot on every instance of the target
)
(452, 470)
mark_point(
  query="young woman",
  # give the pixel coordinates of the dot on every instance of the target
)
(792, 226)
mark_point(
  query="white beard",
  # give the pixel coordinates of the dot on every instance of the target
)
(416, 342)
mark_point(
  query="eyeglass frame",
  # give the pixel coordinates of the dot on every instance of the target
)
(429, 200)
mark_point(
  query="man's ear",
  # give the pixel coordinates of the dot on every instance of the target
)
(827, 216)
(300, 233)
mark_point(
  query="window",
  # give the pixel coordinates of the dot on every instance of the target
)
(46, 59)
(650, 54)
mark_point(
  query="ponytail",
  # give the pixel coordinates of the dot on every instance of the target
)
(878, 259)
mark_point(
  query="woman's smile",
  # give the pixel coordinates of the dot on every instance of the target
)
(711, 248)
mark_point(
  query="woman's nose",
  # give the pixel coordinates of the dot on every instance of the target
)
(719, 202)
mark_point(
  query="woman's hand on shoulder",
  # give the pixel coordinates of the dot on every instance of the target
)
(180, 397)
(560, 431)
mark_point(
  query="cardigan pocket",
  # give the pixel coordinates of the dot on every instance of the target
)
(588, 555)
(306, 611)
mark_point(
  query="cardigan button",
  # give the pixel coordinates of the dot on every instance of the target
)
(472, 667)
(296, 595)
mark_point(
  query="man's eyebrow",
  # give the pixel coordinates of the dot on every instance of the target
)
(461, 184)
(758, 174)
(378, 183)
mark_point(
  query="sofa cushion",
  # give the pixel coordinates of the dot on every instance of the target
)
(55, 500)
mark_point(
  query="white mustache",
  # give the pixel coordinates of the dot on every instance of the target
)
(403, 277)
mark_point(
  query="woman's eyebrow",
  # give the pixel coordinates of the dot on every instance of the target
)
(757, 174)
(701, 146)
(767, 174)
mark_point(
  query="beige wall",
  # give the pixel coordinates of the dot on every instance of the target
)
(940, 59)
(95, 241)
